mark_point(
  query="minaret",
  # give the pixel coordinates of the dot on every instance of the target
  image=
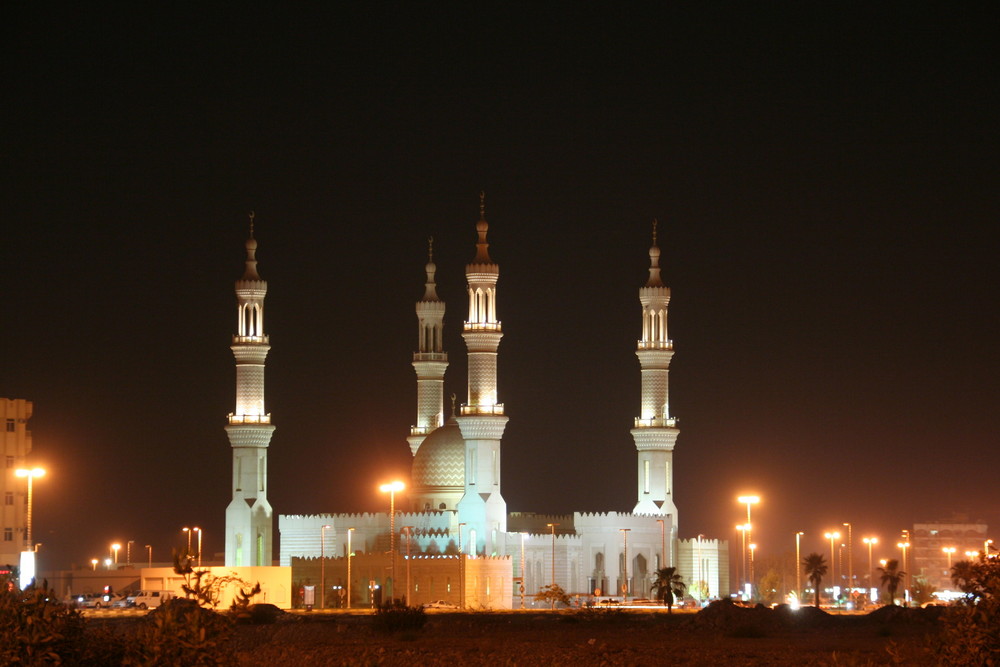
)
(655, 430)
(248, 517)
(482, 420)
(431, 361)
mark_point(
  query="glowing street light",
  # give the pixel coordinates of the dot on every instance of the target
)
(196, 528)
(94, 562)
(971, 554)
(149, 549)
(31, 474)
(948, 551)
(114, 548)
(391, 488)
(850, 558)
(753, 547)
(986, 548)
(107, 563)
(833, 535)
(742, 569)
(748, 501)
(188, 531)
(322, 566)
(350, 554)
(904, 546)
(870, 541)
(798, 565)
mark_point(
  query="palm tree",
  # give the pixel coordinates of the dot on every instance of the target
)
(891, 576)
(667, 584)
(814, 567)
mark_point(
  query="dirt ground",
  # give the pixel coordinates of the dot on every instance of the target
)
(744, 637)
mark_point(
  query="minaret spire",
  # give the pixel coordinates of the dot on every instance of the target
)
(249, 523)
(482, 420)
(430, 361)
(655, 431)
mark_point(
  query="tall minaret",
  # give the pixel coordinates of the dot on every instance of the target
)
(248, 517)
(655, 430)
(482, 420)
(431, 361)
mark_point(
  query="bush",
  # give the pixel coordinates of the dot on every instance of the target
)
(395, 616)
(36, 629)
(179, 633)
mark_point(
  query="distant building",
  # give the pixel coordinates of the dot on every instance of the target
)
(456, 506)
(16, 439)
(929, 540)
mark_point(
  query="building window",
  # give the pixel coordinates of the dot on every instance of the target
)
(8, 498)
(8, 534)
(10, 425)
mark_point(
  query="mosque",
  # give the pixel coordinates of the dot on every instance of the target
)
(456, 540)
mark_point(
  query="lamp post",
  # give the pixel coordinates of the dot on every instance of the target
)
(409, 535)
(107, 563)
(850, 558)
(199, 544)
(986, 548)
(461, 568)
(31, 474)
(187, 530)
(625, 532)
(94, 562)
(149, 549)
(663, 544)
(701, 577)
(322, 566)
(128, 553)
(350, 554)
(552, 529)
(391, 488)
(906, 593)
(114, 549)
(741, 568)
(522, 571)
(798, 565)
(833, 535)
(752, 547)
(748, 501)
(948, 551)
(870, 541)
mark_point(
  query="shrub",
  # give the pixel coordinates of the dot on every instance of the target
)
(36, 629)
(179, 633)
(395, 616)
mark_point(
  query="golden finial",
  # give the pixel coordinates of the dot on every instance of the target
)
(430, 248)
(251, 223)
(482, 204)
(655, 223)
(453, 397)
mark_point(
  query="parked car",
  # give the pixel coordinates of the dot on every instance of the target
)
(440, 604)
(149, 599)
(120, 602)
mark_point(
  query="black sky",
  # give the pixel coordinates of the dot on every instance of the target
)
(827, 187)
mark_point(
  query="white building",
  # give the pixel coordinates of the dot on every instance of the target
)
(16, 439)
(455, 488)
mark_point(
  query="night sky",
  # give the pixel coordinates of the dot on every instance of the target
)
(827, 190)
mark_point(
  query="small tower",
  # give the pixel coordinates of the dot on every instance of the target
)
(248, 517)
(482, 420)
(655, 430)
(431, 361)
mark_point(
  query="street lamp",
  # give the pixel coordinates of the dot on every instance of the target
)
(107, 563)
(906, 593)
(94, 562)
(114, 548)
(798, 565)
(986, 548)
(128, 553)
(409, 535)
(31, 474)
(701, 575)
(322, 566)
(949, 551)
(850, 559)
(870, 541)
(742, 567)
(748, 501)
(552, 529)
(391, 488)
(199, 544)
(833, 535)
(350, 554)
(149, 548)
(625, 585)
(752, 547)
(188, 531)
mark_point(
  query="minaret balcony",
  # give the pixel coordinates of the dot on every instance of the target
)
(495, 409)
(656, 422)
(249, 419)
(251, 339)
(421, 430)
(430, 356)
(482, 326)
(656, 345)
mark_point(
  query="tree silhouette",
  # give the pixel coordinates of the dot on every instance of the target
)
(814, 567)
(891, 576)
(667, 584)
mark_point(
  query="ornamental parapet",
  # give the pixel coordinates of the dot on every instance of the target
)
(656, 345)
(249, 419)
(656, 422)
(482, 326)
(495, 409)
(430, 356)
(263, 340)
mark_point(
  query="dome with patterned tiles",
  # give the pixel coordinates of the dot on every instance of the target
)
(440, 460)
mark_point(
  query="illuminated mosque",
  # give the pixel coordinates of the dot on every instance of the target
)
(463, 544)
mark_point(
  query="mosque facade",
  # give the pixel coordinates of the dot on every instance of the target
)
(458, 520)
